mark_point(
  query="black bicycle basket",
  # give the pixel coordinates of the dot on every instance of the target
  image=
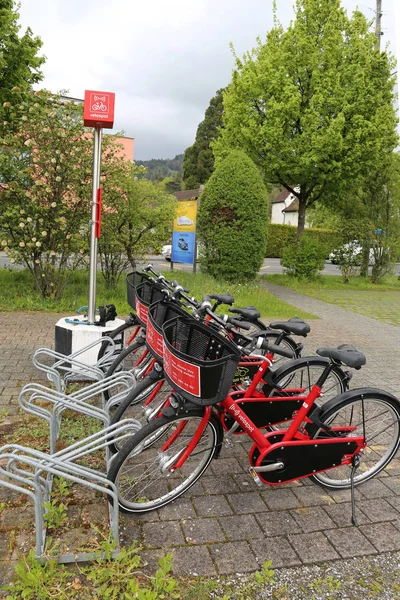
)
(147, 293)
(159, 313)
(198, 361)
(132, 281)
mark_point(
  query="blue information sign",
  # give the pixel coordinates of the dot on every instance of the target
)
(183, 243)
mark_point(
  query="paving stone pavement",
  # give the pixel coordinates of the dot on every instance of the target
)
(225, 524)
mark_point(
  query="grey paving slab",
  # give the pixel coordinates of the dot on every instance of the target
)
(225, 524)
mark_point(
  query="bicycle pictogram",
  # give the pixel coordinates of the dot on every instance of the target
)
(99, 102)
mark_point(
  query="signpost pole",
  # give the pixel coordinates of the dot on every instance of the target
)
(97, 136)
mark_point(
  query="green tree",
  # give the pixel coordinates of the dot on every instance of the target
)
(19, 60)
(231, 219)
(379, 209)
(158, 169)
(137, 220)
(46, 166)
(198, 162)
(313, 105)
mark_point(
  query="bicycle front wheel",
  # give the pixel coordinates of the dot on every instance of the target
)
(135, 359)
(140, 469)
(143, 403)
(128, 332)
(374, 414)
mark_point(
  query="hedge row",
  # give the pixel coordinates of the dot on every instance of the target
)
(280, 236)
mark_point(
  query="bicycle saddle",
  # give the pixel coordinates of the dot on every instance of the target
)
(223, 298)
(250, 312)
(296, 326)
(346, 354)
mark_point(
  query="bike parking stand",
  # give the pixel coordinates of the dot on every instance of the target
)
(30, 472)
(60, 368)
(33, 395)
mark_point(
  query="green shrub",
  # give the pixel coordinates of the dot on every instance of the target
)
(281, 236)
(231, 219)
(304, 259)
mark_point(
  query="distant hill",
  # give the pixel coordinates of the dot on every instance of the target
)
(160, 168)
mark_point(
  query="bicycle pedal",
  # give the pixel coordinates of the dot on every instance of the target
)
(228, 443)
(256, 477)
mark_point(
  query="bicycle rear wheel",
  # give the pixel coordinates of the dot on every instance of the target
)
(297, 378)
(140, 469)
(373, 413)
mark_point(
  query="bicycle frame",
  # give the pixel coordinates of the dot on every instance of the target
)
(294, 435)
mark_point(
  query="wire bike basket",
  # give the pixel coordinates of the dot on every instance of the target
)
(198, 362)
(159, 313)
(147, 293)
(132, 281)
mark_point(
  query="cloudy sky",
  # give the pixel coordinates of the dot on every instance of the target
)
(163, 59)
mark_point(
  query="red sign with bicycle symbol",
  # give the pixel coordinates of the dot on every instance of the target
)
(98, 110)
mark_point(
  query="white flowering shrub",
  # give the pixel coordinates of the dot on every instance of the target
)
(45, 197)
(46, 177)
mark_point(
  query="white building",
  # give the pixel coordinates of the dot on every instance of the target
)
(285, 209)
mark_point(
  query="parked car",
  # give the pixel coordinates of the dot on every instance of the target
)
(166, 252)
(182, 244)
(351, 249)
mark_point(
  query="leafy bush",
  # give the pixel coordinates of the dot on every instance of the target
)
(280, 236)
(304, 259)
(231, 219)
(349, 258)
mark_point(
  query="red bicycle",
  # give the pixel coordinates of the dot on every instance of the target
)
(345, 442)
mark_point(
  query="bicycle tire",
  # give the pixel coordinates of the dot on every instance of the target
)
(303, 373)
(129, 330)
(381, 412)
(254, 324)
(136, 469)
(133, 406)
(126, 361)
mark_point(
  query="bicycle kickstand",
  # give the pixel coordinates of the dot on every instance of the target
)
(355, 464)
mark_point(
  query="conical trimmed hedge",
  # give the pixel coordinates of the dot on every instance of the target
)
(232, 218)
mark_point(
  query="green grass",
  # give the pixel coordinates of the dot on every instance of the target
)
(380, 302)
(333, 282)
(17, 293)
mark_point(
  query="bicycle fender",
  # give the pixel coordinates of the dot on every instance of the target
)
(187, 408)
(191, 409)
(345, 396)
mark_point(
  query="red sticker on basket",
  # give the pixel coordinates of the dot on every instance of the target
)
(141, 311)
(154, 339)
(185, 375)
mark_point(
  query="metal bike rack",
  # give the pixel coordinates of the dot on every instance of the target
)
(33, 395)
(31, 472)
(60, 369)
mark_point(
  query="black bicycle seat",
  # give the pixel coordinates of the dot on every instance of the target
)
(223, 298)
(249, 312)
(295, 325)
(346, 354)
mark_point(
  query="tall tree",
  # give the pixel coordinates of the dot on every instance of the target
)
(198, 163)
(313, 105)
(19, 60)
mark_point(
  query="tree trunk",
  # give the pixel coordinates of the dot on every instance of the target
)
(364, 261)
(302, 216)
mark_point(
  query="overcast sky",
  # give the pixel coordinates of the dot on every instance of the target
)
(163, 59)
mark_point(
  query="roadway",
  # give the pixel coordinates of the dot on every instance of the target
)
(270, 265)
